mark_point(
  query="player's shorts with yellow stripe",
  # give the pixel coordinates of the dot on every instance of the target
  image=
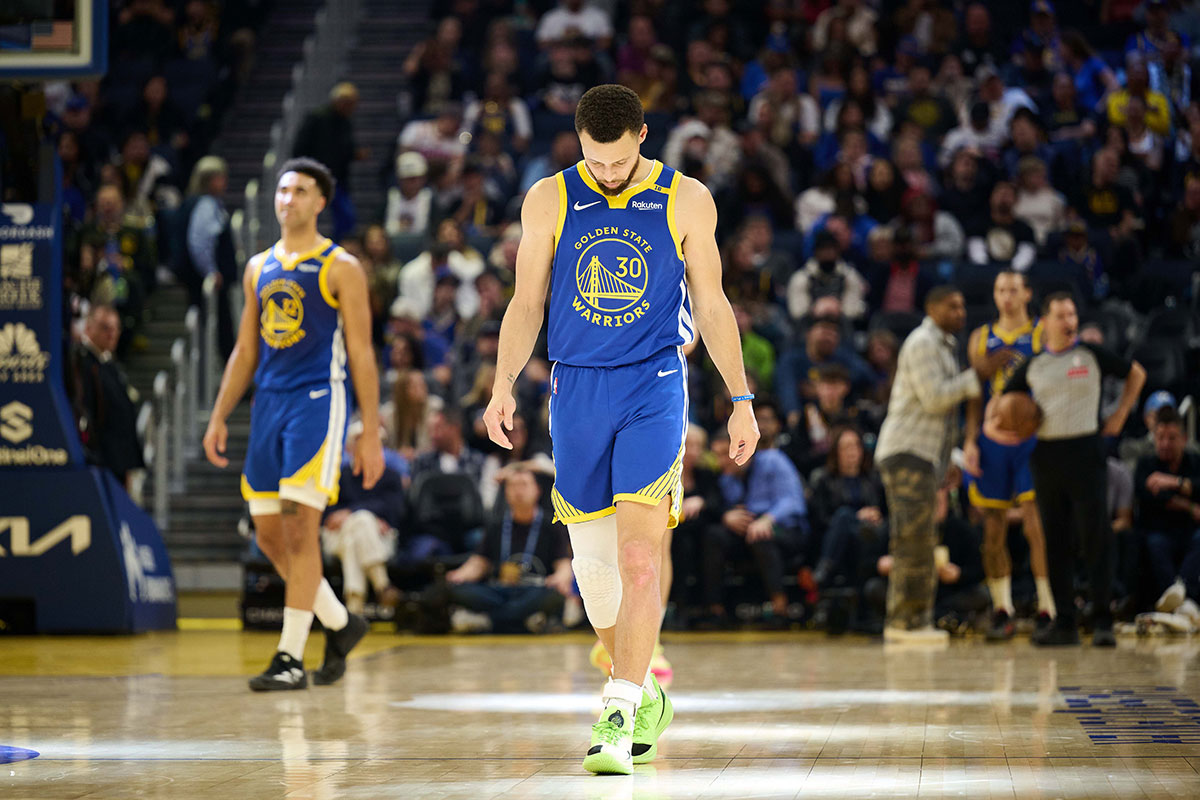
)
(295, 448)
(618, 435)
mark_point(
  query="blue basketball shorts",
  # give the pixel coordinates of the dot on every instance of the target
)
(618, 435)
(1006, 480)
(295, 449)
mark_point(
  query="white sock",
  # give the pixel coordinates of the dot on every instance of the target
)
(378, 577)
(1045, 597)
(648, 684)
(624, 696)
(329, 609)
(1001, 591)
(296, 624)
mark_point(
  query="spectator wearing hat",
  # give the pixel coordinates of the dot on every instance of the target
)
(410, 202)
(327, 135)
(1038, 204)
(1132, 449)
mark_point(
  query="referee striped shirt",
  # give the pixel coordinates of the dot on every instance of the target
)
(1067, 385)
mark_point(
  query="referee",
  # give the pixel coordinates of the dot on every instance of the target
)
(1069, 468)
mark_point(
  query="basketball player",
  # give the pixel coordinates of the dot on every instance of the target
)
(619, 240)
(1000, 475)
(306, 315)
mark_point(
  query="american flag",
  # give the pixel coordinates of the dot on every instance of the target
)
(52, 35)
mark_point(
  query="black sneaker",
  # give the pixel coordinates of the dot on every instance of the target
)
(1103, 635)
(284, 674)
(1042, 623)
(338, 645)
(1002, 627)
(1057, 635)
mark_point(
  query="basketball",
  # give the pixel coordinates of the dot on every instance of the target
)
(1016, 412)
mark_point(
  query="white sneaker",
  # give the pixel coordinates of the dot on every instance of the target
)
(464, 621)
(1172, 598)
(928, 636)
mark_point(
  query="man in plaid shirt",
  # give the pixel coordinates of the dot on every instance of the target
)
(921, 428)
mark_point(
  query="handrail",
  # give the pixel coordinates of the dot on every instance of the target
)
(191, 322)
(161, 514)
(212, 367)
(178, 410)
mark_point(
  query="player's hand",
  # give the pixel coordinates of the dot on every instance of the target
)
(214, 443)
(949, 572)
(737, 520)
(971, 458)
(368, 460)
(870, 514)
(499, 412)
(990, 364)
(743, 433)
(1113, 425)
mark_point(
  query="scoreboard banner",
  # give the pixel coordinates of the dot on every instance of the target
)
(37, 428)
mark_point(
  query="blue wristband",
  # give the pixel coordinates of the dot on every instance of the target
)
(742, 397)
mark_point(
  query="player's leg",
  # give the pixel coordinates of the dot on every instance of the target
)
(1035, 534)
(992, 494)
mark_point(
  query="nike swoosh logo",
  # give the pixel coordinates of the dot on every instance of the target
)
(662, 374)
(589, 205)
(314, 394)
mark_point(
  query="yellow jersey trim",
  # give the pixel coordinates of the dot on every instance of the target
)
(255, 265)
(671, 195)
(981, 337)
(311, 471)
(323, 277)
(561, 182)
(621, 200)
(568, 514)
(289, 264)
(250, 494)
(1010, 337)
(1038, 333)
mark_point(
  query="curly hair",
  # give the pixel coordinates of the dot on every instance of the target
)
(607, 111)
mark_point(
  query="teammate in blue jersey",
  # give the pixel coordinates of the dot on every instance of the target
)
(626, 248)
(306, 316)
(998, 470)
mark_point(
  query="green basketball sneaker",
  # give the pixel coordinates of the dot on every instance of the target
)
(612, 745)
(653, 717)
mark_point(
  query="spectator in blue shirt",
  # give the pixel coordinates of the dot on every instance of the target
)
(766, 516)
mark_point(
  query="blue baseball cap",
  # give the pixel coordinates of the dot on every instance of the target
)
(1157, 400)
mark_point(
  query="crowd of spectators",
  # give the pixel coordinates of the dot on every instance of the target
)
(859, 154)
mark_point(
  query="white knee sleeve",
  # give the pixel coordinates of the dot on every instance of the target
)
(594, 544)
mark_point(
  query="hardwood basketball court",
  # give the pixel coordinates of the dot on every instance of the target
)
(757, 715)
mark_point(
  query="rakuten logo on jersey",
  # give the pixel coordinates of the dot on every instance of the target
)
(642, 205)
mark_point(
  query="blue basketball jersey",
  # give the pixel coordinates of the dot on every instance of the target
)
(300, 327)
(618, 294)
(1024, 342)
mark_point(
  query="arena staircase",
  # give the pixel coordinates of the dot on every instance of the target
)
(246, 130)
(387, 32)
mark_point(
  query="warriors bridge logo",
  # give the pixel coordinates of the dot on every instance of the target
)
(611, 276)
